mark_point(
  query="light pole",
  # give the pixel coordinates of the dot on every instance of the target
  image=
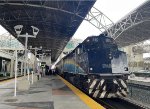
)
(41, 56)
(35, 53)
(35, 59)
(48, 52)
(42, 62)
(18, 29)
(16, 64)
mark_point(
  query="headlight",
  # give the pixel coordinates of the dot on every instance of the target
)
(125, 68)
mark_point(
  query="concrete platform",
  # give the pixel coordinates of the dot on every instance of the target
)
(48, 93)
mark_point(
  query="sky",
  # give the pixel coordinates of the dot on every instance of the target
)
(2, 30)
(113, 9)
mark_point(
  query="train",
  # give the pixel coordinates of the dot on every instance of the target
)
(97, 67)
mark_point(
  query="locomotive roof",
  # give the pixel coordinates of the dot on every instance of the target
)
(100, 36)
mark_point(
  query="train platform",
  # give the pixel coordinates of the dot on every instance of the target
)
(48, 93)
(140, 80)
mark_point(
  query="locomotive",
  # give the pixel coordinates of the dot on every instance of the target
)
(97, 67)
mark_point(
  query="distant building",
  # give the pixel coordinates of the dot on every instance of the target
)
(72, 44)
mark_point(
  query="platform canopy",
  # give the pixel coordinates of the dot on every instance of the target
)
(133, 28)
(57, 20)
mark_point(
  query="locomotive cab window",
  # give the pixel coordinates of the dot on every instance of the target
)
(109, 43)
(95, 39)
(108, 40)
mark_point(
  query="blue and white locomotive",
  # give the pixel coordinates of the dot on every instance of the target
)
(97, 67)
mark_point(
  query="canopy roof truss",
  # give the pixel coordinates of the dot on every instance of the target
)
(56, 20)
(134, 27)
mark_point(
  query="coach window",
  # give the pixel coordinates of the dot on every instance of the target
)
(78, 51)
(82, 49)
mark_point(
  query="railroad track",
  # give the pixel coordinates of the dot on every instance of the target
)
(118, 103)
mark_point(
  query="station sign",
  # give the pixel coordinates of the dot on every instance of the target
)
(43, 64)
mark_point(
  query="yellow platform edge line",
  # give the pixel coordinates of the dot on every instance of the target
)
(5, 81)
(86, 99)
(9, 80)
